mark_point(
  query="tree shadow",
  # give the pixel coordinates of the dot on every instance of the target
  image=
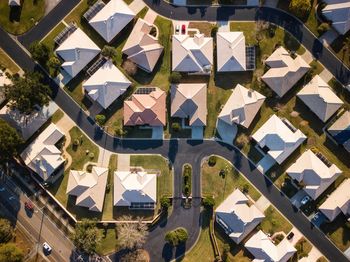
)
(15, 14)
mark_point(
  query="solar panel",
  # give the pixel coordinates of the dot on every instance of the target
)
(145, 90)
(93, 10)
(59, 39)
(250, 57)
(100, 61)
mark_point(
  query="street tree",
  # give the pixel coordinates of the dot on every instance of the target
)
(40, 52)
(138, 255)
(131, 235)
(6, 230)
(87, 237)
(9, 141)
(11, 253)
(27, 92)
(300, 8)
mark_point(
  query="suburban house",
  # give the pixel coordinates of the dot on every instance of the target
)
(192, 54)
(340, 130)
(14, 3)
(4, 80)
(315, 174)
(338, 11)
(106, 84)
(241, 107)
(88, 188)
(278, 138)
(319, 97)
(231, 51)
(27, 125)
(284, 71)
(262, 248)
(111, 19)
(42, 156)
(237, 217)
(338, 202)
(135, 189)
(189, 102)
(77, 51)
(142, 47)
(147, 106)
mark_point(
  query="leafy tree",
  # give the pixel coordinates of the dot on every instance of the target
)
(11, 253)
(165, 203)
(40, 52)
(27, 92)
(212, 160)
(87, 237)
(6, 230)
(138, 255)
(131, 235)
(130, 67)
(322, 28)
(176, 127)
(175, 77)
(109, 52)
(9, 141)
(100, 119)
(209, 202)
(300, 8)
(177, 236)
(54, 63)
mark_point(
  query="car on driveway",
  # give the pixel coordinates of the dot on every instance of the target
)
(177, 29)
(29, 206)
(183, 29)
(47, 249)
(305, 200)
(290, 236)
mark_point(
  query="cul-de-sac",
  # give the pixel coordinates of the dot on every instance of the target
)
(174, 130)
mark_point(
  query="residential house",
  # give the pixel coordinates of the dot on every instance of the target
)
(135, 189)
(147, 106)
(77, 51)
(88, 188)
(111, 19)
(106, 84)
(278, 138)
(27, 125)
(189, 101)
(340, 130)
(338, 202)
(262, 248)
(42, 156)
(142, 47)
(338, 11)
(313, 173)
(284, 71)
(241, 107)
(319, 97)
(231, 51)
(192, 54)
(237, 217)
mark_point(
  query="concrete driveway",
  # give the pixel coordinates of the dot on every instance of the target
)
(227, 132)
(197, 132)
(297, 198)
(157, 132)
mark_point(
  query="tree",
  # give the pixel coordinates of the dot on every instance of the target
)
(11, 253)
(109, 52)
(40, 52)
(27, 92)
(9, 141)
(132, 235)
(175, 77)
(322, 28)
(6, 230)
(300, 8)
(100, 119)
(54, 63)
(209, 202)
(87, 237)
(165, 203)
(130, 67)
(177, 236)
(176, 127)
(138, 255)
(212, 161)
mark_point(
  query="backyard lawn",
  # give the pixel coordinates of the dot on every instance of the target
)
(19, 20)
(6, 62)
(212, 180)
(339, 232)
(57, 116)
(109, 241)
(274, 222)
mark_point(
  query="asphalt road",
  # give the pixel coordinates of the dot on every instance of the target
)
(37, 223)
(180, 151)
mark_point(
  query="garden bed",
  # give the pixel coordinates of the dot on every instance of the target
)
(187, 180)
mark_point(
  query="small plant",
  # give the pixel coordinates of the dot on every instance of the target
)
(209, 202)
(176, 127)
(322, 28)
(165, 203)
(177, 236)
(245, 188)
(300, 8)
(91, 155)
(100, 119)
(109, 52)
(225, 251)
(212, 161)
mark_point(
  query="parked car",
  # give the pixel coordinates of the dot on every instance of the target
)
(305, 200)
(47, 249)
(290, 236)
(183, 29)
(177, 29)
(29, 206)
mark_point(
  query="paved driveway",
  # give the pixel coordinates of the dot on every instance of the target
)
(197, 133)
(227, 132)
(297, 198)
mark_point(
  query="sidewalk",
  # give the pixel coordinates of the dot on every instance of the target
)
(137, 5)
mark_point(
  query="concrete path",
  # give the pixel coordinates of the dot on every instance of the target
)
(262, 203)
(307, 56)
(326, 75)
(123, 162)
(328, 37)
(65, 124)
(137, 5)
(150, 16)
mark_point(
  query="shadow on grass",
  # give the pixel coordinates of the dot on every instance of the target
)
(341, 224)
(15, 14)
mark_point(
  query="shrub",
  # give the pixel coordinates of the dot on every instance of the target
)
(300, 8)
(187, 190)
(6, 230)
(130, 67)
(91, 155)
(100, 119)
(242, 140)
(120, 132)
(225, 251)
(322, 28)
(209, 202)
(40, 52)
(177, 236)
(54, 63)
(109, 52)
(176, 127)
(212, 161)
(11, 253)
(175, 77)
(165, 203)
(278, 239)
(76, 142)
(245, 188)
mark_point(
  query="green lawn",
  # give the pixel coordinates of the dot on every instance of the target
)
(108, 203)
(128, 1)
(109, 241)
(19, 20)
(303, 248)
(274, 222)
(57, 116)
(8, 63)
(212, 181)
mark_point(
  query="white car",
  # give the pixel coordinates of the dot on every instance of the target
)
(177, 29)
(305, 200)
(47, 249)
